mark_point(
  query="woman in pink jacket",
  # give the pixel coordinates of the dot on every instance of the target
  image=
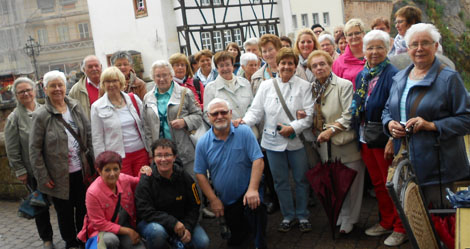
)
(352, 61)
(111, 215)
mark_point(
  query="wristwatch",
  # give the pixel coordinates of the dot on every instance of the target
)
(333, 129)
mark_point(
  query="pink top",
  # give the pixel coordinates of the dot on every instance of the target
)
(101, 202)
(347, 66)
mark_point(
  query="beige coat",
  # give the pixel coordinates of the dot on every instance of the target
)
(335, 108)
(257, 78)
(48, 146)
(79, 93)
(190, 112)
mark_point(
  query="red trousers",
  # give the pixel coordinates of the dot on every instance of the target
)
(377, 166)
(133, 161)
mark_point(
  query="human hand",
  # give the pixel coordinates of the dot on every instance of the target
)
(251, 198)
(388, 153)
(237, 122)
(396, 129)
(301, 114)
(178, 123)
(186, 238)
(325, 136)
(146, 170)
(217, 207)
(419, 124)
(23, 178)
(286, 130)
(179, 229)
(135, 237)
(50, 184)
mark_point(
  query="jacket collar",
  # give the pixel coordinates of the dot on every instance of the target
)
(220, 84)
(401, 77)
(332, 84)
(350, 59)
(106, 190)
(105, 103)
(177, 170)
(259, 73)
(71, 104)
(21, 109)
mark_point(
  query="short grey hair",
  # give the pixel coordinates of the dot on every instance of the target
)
(218, 101)
(22, 80)
(376, 35)
(250, 42)
(324, 37)
(88, 57)
(246, 57)
(121, 55)
(355, 22)
(422, 27)
(54, 75)
(162, 63)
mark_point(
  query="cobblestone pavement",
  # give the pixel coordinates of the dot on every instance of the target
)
(20, 233)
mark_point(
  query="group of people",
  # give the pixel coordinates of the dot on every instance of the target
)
(339, 95)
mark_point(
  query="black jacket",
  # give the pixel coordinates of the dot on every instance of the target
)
(167, 201)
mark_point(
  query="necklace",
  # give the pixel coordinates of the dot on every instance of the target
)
(121, 104)
(415, 76)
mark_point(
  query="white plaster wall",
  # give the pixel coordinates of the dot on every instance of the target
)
(333, 7)
(115, 27)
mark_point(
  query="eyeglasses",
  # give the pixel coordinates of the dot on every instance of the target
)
(357, 33)
(400, 21)
(111, 81)
(161, 76)
(216, 114)
(161, 156)
(424, 44)
(317, 32)
(26, 91)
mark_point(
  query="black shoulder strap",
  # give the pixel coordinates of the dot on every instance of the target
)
(281, 99)
(197, 85)
(116, 209)
(74, 134)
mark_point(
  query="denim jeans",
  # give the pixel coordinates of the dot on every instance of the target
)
(157, 237)
(279, 164)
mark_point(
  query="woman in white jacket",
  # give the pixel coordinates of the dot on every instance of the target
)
(116, 123)
(280, 136)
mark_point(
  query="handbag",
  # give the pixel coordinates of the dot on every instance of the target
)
(312, 154)
(374, 135)
(194, 135)
(124, 217)
(34, 204)
(88, 172)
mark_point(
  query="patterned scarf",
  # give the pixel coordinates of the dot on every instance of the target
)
(308, 73)
(318, 91)
(359, 98)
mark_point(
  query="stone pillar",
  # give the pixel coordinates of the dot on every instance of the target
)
(10, 187)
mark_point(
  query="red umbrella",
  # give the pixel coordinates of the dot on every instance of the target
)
(331, 182)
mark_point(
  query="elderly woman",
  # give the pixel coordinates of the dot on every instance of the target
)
(433, 104)
(305, 44)
(270, 45)
(205, 73)
(341, 42)
(382, 24)
(351, 62)
(250, 64)
(332, 96)
(56, 158)
(234, 49)
(17, 129)
(327, 44)
(184, 76)
(170, 111)
(123, 60)
(404, 18)
(110, 191)
(286, 42)
(116, 123)
(280, 136)
(235, 90)
(373, 88)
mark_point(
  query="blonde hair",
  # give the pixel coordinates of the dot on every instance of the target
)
(305, 31)
(181, 58)
(112, 73)
(355, 22)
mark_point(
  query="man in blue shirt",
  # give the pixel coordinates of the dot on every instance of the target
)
(235, 163)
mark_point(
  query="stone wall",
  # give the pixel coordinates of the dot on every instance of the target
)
(367, 10)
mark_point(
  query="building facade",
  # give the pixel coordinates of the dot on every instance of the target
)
(306, 13)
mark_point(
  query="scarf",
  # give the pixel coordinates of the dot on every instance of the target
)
(179, 81)
(308, 73)
(318, 90)
(367, 74)
(399, 46)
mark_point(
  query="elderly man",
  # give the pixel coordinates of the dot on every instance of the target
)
(86, 90)
(235, 163)
(317, 29)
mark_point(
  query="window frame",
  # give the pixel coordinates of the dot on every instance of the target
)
(304, 18)
(326, 18)
(208, 39)
(61, 35)
(87, 33)
(316, 18)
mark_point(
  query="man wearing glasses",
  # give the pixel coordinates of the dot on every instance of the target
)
(235, 163)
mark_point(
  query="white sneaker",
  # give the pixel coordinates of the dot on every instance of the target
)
(395, 239)
(377, 230)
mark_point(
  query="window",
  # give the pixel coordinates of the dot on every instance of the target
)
(218, 41)
(217, 2)
(63, 33)
(304, 20)
(46, 5)
(256, 1)
(326, 18)
(294, 21)
(237, 34)
(262, 30)
(67, 2)
(227, 37)
(42, 36)
(206, 40)
(205, 2)
(272, 29)
(140, 8)
(83, 30)
(315, 18)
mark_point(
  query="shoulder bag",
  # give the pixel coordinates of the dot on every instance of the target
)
(194, 135)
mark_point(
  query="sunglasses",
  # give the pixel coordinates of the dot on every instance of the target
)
(216, 114)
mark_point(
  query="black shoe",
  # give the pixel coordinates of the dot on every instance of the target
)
(271, 208)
